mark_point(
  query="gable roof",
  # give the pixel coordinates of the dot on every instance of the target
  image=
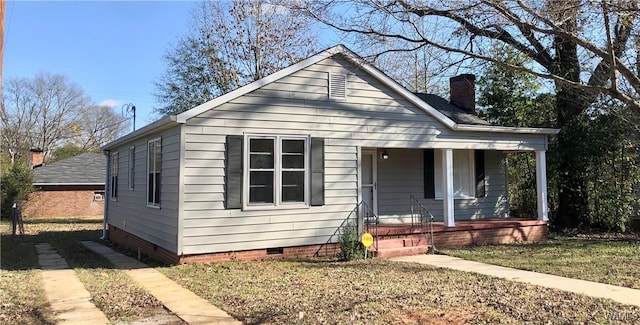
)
(447, 117)
(85, 169)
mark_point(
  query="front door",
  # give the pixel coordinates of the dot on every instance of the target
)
(369, 186)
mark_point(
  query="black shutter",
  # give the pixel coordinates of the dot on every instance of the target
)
(480, 177)
(429, 174)
(233, 168)
(317, 171)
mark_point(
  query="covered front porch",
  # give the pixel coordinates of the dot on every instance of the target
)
(417, 199)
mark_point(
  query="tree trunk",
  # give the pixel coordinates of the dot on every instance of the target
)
(571, 169)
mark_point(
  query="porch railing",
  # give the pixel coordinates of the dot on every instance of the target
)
(369, 221)
(423, 219)
(362, 219)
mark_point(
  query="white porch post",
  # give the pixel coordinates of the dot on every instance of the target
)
(541, 185)
(447, 187)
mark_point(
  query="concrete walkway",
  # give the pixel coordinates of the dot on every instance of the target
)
(69, 300)
(622, 295)
(182, 302)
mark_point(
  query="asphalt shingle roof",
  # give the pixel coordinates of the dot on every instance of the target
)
(451, 111)
(86, 168)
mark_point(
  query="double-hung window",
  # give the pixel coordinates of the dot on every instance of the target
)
(154, 159)
(463, 174)
(113, 186)
(277, 171)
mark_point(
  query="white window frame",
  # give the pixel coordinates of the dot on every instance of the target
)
(113, 180)
(153, 204)
(467, 156)
(132, 167)
(277, 167)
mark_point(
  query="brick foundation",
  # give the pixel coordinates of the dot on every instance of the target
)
(62, 203)
(474, 237)
(155, 252)
(476, 232)
(468, 233)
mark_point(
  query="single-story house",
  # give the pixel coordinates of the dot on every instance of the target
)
(276, 166)
(69, 187)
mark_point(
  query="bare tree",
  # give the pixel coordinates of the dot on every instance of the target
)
(48, 111)
(39, 112)
(589, 49)
(98, 125)
(231, 43)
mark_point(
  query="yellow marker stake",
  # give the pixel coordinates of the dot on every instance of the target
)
(367, 240)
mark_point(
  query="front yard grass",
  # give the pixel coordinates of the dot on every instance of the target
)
(22, 299)
(375, 291)
(607, 259)
(379, 291)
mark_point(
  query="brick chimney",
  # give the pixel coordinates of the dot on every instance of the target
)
(462, 92)
(37, 158)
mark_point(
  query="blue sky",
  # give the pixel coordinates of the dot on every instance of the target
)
(112, 50)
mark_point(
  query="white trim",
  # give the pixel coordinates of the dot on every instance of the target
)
(349, 55)
(153, 204)
(505, 129)
(115, 159)
(374, 177)
(183, 117)
(371, 70)
(181, 186)
(277, 173)
(471, 171)
(541, 185)
(447, 188)
(157, 126)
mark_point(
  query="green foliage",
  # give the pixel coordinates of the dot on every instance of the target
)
(17, 184)
(594, 161)
(67, 151)
(350, 247)
(513, 98)
(607, 161)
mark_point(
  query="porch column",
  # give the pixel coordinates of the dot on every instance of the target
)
(541, 185)
(447, 187)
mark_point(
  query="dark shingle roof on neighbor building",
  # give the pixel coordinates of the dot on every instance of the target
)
(451, 111)
(87, 168)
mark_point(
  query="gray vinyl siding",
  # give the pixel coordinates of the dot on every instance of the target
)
(403, 175)
(130, 212)
(371, 116)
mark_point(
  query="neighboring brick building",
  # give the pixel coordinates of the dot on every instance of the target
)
(70, 187)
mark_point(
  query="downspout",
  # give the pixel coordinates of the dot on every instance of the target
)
(107, 191)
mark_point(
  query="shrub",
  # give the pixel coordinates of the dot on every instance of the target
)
(17, 184)
(350, 247)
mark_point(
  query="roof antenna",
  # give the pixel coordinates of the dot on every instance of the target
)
(130, 109)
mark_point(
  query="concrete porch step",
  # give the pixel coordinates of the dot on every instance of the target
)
(401, 242)
(402, 251)
(406, 246)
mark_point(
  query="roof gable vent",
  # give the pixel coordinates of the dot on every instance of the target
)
(337, 86)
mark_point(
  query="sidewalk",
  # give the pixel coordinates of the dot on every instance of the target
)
(622, 295)
(182, 302)
(70, 301)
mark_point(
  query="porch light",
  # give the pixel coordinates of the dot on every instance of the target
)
(384, 155)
